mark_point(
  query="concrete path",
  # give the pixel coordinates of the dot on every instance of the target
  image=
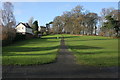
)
(64, 67)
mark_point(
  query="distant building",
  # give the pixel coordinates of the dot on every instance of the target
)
(24, 29)
(42, 29)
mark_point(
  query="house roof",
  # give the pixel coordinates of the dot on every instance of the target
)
(25, 24)
(42, 26)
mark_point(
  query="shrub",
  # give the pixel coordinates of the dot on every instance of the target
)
(44, 33)
(8, 35)
(19, 36)
(35, 34)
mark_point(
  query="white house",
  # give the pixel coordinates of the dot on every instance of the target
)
(24, 28)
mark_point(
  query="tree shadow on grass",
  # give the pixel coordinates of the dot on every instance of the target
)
(88, 39)
(95, 52)
(59, 37)
(29, 49)
(101, 39)
(50, 37)
(32, 54)
(81, 47)
(72, 37)
(26, 41)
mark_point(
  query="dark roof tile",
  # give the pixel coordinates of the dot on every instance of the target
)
(25, 24)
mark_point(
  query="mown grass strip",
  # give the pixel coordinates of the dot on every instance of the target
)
(93, 50)
(33, 51)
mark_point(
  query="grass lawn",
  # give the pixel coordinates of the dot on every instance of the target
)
(93, 50)
(33, 51)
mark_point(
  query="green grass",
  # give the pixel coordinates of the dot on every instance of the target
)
(33, 51)
(88, 50)
(93, 50)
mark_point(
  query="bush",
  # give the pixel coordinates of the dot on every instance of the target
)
(44, 33)
(8, 35)
(36, 34)
(19, 36)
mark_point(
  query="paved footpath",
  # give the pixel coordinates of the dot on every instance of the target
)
(64, 67)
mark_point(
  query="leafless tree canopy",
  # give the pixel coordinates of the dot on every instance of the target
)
(8, 19)
(7, 22)
(30, 21)
(76, 21)
(81, 21)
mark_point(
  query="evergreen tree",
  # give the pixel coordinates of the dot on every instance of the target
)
(35, 27)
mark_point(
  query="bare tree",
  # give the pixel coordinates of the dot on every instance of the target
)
(67, 22)
(58, 24)
(76, 21)
(7, 15)
(30, 21)
(1, 17)
(8, 22)
(78, 18)
(92, 21)
(78, 9)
